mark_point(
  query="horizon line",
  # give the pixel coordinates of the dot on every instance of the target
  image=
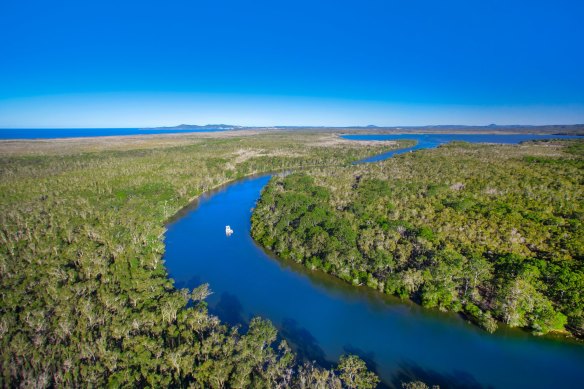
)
(236, 126)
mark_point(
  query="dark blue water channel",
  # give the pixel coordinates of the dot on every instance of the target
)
(52, 133)
(429, 141)
(323, 317)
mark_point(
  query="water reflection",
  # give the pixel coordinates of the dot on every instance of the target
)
(230, 310)
(303, 342)
(410, 371)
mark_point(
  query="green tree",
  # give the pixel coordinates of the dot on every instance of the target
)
(354, 374)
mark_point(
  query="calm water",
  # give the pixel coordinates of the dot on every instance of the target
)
(323, 317)
(50, 133)
(429, 141)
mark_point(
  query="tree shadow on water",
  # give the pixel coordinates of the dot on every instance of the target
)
(192, 283)
(457, 379)
(229, 310)
(368, 358)
(303, 343)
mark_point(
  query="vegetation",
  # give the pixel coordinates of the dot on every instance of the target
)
(417, 385)
(85, 298)
(494, 232)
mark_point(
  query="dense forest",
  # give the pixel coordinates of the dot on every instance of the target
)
(85, 297)
(491, 231)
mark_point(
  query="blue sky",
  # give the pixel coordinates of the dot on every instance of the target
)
(148, 63)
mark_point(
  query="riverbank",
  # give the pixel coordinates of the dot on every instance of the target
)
(372, 235)
(323, 317)
(85, 289)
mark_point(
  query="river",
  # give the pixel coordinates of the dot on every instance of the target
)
(323, 317)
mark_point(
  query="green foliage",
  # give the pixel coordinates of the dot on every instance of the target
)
(354, 373)
(85, 298)
(481, 318)
(495, 232)
(417, 385)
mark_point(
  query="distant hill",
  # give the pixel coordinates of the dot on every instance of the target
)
(557, 129)
(196, 127)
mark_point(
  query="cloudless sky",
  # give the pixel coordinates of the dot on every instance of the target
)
(147, 63)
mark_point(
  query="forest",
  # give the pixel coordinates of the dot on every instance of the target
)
(494, 232)
(85, 296)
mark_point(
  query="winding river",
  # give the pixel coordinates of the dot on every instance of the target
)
(323, 318)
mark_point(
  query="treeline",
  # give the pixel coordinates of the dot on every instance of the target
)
(85, 299)
(493, 232)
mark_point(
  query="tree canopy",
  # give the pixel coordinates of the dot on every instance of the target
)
(85, 297)
(495, 232)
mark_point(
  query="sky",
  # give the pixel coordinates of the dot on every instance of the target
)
(388, 63)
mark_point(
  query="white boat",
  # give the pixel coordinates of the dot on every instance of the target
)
(228, 231)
